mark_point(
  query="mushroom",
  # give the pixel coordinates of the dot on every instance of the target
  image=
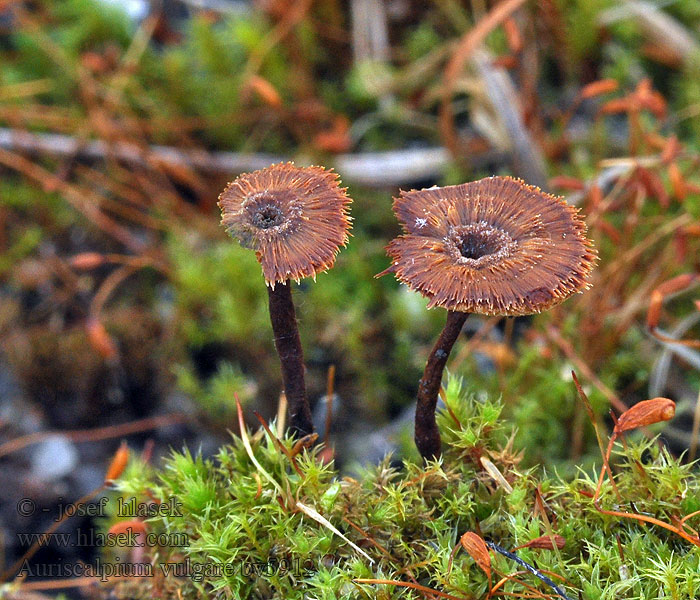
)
(296, 219)
(496, 246)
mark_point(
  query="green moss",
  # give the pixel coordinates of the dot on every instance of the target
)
(375, 331)
(412, 517)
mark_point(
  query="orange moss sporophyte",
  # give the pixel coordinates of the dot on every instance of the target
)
(496, 246)
(118, 464)
(296, 219)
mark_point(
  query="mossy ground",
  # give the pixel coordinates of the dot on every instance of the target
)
(196, 318)
(406, 519)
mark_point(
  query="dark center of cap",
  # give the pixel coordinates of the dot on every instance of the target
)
(267, 216)
(480, 244)
(476, 244)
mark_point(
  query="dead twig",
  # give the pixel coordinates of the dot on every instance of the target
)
(370, 169)
(94, 435)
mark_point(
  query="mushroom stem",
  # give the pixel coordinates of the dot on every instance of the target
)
(288, 344)
(427, 436)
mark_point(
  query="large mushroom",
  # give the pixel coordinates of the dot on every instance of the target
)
(296, 219)
(496, 246)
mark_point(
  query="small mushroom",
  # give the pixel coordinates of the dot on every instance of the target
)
(496, 246)
(296, 219)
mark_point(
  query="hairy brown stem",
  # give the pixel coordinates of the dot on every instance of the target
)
(288, 344)
(427, 436)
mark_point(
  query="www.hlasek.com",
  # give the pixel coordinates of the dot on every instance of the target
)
(128, 538)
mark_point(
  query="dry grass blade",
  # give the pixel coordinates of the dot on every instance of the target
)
(249, 450)
(281, 415)
(369, 538)
(589, 410)
(319, 518)
(603, 452)
(495, 474)
(370, 31)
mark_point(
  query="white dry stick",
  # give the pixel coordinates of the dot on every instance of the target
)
(281, 414)
(371, 169)
(495, 474)
(319, 518)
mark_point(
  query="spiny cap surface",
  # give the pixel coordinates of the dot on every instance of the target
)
(295, 218)
(496, 246)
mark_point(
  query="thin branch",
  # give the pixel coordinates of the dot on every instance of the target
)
(370, 169)
(93, 435)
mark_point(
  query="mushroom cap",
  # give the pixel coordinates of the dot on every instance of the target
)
(295, 218)
(496, 246)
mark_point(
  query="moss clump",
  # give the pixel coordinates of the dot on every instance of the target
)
(250, 534)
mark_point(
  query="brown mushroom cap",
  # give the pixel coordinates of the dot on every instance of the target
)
(496, 246)
(296, 219)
